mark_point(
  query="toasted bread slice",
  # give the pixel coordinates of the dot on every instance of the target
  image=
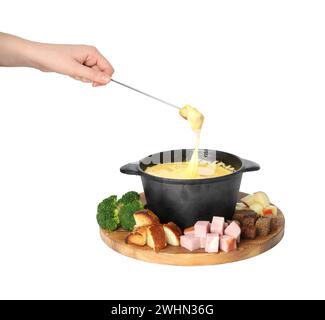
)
(141, 230)
(145, 218)
(137, 237)
(176, 227)
(172, 233)
(156, 238)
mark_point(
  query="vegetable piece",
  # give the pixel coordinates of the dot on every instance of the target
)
(129, 197)
(248, 200)
(270, 210)
(128, 205)
(261, 198)
(107, 213)
(267, 212)
(257, 207)
(126, 214)
(241, 206)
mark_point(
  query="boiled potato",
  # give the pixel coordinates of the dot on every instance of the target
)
(248, 200)
(257, 207)
(241, 206)
(261, 198)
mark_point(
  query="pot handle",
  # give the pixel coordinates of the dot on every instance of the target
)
(250, 165)
(131, 168)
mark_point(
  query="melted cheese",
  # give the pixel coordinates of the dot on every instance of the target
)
(195, 119)
(194, 169)
(193, 166)
(193, 116)
(179, 170)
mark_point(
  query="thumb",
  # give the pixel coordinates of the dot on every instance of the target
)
(92, 75)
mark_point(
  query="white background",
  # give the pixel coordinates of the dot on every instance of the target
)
(256, 69)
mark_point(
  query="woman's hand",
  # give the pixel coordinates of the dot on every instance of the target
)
(81, 62)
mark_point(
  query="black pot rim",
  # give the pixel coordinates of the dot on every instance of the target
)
(192, 181)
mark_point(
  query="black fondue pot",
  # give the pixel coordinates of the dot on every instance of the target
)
(185, 201)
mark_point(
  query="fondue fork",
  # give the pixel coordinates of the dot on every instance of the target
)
(146, 94)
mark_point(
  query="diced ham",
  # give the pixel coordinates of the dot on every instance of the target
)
(233, 230)
(190, 242)
(201, 228)
(212, 242)
(218, 225)
(203, 242)
(227, 243)
(215, 236)
(217, 219)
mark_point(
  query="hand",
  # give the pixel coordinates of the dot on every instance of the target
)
(81, 62)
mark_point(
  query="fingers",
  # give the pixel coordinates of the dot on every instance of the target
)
(81, 79)
(96, 84)
(96, 59)
(88, 74)
(104, 65)
(92, 67)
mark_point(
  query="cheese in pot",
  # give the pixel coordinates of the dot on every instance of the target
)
(178, 170)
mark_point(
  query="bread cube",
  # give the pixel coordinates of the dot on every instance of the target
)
(263, 226)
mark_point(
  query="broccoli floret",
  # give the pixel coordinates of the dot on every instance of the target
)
(129, 204)
(126, 214)
(112, 213)
(129, 197)
(108, 214)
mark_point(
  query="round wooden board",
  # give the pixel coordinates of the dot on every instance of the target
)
(182, 257)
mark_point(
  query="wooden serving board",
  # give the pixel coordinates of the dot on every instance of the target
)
(182, 257)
